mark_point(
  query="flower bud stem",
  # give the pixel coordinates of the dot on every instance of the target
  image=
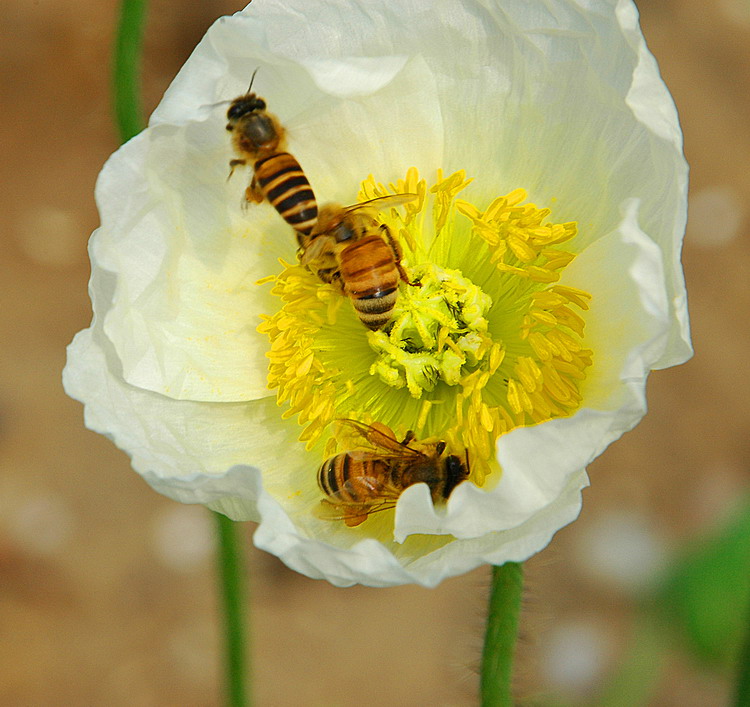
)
(501, 635)
(126, 69)
(234, 599)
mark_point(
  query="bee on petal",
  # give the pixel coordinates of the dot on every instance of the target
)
(258, 139)
(371, 477)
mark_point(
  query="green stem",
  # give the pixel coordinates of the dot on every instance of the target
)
(742, 698)
(233, 596)
(502, 632)
(126, 69)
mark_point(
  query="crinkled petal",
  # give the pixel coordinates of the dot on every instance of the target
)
(371, 563)
(571, 76)
(214, 453)
(192, 452)
(565, 99)
(183, 314)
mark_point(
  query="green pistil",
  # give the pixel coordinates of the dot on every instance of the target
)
(438, 332)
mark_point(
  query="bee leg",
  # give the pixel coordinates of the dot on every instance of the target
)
(326, 275)
(353, 521)
(301, 243)
(233, 164)
(253, 192)
(409, 438)
(337, 281)
(396, 248)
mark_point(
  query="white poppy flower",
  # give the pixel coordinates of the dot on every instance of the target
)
(559, 310)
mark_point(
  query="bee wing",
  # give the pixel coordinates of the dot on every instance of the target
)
(381, 438)
(320, 246)
(336, 507)
(383, 202)
(351, 514)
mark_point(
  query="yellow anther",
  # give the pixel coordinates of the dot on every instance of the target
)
(457, 361)
(423, 413)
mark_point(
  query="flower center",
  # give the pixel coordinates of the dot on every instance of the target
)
(487, 343)
(438, 332)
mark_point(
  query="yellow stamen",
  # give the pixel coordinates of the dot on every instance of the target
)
(456, 362)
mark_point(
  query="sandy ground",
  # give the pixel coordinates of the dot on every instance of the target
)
(107, 592)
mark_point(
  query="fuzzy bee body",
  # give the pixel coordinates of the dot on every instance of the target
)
(351, 248)
(364, 480)
(281, 180)
(370, 276)
(258, 139)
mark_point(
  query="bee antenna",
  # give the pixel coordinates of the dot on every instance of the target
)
(466, 450)
(252, 78)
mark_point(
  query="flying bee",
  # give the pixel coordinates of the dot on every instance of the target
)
(259, 139)
(352, 249)
(371, 478)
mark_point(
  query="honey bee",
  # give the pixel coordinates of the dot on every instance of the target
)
(350, 248)
(259, 139)
(365, 480)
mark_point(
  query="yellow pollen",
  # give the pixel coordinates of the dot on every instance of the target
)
(457, 361)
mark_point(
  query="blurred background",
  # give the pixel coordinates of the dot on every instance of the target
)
(107, 590)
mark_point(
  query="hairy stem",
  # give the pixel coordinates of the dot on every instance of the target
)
(501, 635)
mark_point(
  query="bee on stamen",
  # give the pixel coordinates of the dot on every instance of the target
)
(352, 249)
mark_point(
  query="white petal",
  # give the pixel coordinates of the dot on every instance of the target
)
(358, 76)
(213, 454)
(192, 452)
(561, 98)
(574, 111)
(185, 308)
(370, 563)
(346, 115)
(537, 118)
(628, 329)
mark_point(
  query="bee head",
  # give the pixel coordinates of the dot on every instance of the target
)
(455, 472)
(249, 103)
(343, 232)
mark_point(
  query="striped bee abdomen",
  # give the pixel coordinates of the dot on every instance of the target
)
(368, 269)
(285, 185)
(353, 480)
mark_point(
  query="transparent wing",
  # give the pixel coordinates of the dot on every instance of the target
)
(320, 247)
(351, 515)
(383, 202)
(379, 436)
(336, 507)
